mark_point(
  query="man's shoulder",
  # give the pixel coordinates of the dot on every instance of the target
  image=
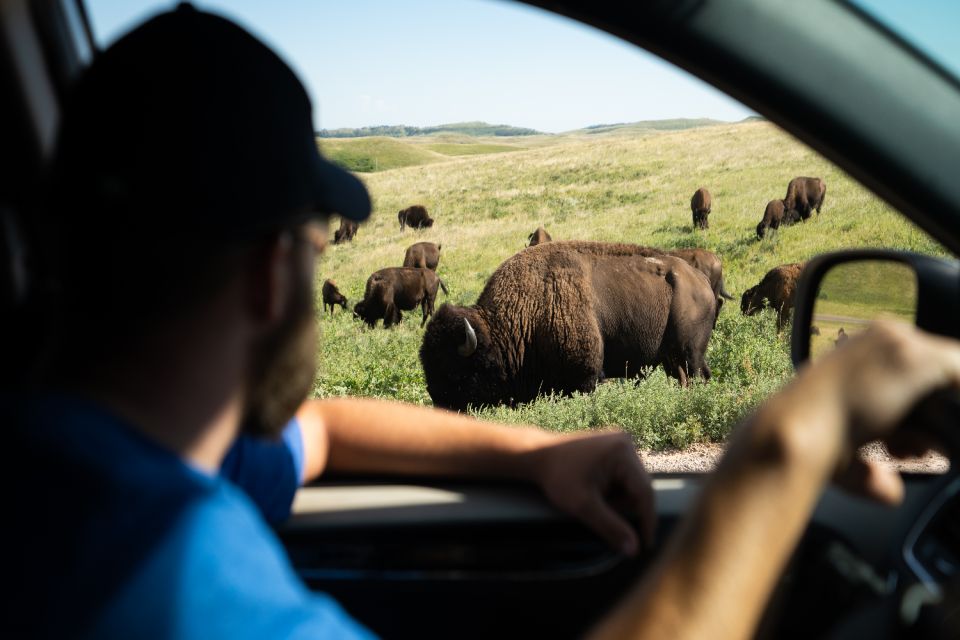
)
(142, 544)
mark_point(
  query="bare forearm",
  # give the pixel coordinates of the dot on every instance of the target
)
(715, 576)
(384, 437)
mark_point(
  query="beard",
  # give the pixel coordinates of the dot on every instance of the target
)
(283, 365)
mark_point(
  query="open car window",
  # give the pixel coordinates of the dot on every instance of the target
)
(580, 133)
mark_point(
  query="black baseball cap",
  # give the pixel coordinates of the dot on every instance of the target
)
(190, 124)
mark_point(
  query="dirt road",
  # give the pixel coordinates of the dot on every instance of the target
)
(704, 457)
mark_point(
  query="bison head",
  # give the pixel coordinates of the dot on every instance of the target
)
(761, 230)
(460, 364)
(748, 305)
(361, 312)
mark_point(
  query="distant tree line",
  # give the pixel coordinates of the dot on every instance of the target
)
(403, 131)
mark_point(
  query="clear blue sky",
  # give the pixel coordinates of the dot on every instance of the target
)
(369, 62)
(427, 62)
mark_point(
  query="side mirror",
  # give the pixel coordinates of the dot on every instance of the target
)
(840, 293)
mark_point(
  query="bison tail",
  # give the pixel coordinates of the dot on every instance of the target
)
(724, 293)
(444, 287)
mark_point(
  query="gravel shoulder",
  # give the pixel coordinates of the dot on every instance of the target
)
(702, 458)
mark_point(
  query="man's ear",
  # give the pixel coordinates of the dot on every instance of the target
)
(270, 278)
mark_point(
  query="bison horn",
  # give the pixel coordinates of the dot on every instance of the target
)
(470, 340)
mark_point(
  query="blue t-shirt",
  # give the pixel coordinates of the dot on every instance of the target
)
(269, 471)
(116, 537)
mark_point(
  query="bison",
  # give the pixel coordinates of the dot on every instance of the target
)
(774, 215)
(804, 195)
(415, 217)
(561, 316)
(709, 264)
(395, 289)
(348, 229)
(777, 290)
(538, 237)
(424, 255)
(332, 296)
(700, 205)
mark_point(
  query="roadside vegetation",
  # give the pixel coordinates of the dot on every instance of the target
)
(626, 186)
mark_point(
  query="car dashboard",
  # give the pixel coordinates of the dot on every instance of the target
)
(481, 559)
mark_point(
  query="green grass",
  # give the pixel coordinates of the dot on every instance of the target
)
(628, 187)
(365, 155)
(460, 149)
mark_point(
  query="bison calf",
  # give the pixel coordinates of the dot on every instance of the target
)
(348, 229)
(708, 263)
(804, 195)
(777, 289)
(700, 205)
(538, 237)
(332, 296)
(415, 217)
(774, 215)
(395, 289)
(423, 255)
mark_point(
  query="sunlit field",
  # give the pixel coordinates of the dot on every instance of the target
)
(625, 185)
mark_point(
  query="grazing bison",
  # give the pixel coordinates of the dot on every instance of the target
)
(777, 289)
(841, 337)
(774, 215)
(332, 296)
(424, 255)
(561, 316)
(415, 217)
(804, 195)
(395, 289)
(709, 264)
(700, 205)
(538, 237)
(348, 229)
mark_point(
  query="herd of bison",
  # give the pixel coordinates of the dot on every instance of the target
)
(559, 317)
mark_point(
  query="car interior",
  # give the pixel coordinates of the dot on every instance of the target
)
(428, 558)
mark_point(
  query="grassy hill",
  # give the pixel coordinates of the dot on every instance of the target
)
(402, 131)
(365, 155)
(617, 187)
(671, 124)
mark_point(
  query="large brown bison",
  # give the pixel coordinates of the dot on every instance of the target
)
(708, 263)
(394, 289)
(538, 237)
(332, 296)
(424, 255)
(415, 217)
(804, 195)
(777, 290)
(774, 215)
(700, 205)
(348, 229)
(560, 316)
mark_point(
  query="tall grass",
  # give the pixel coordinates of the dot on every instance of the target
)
(629, 187)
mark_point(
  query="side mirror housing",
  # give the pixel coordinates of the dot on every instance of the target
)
(840, 293)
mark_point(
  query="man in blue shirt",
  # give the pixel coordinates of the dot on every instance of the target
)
(189, 203)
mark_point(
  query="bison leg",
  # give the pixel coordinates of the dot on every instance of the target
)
(428, 308)
(681, 375)
(783, 317)
(390, 316)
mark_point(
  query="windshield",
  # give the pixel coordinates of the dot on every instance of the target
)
(497, 120)
(929, 25)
